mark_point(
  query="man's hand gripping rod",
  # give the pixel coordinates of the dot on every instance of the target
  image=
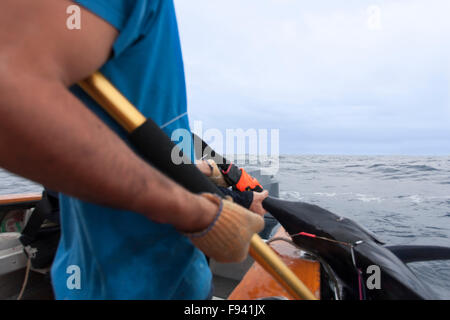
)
(146, 136)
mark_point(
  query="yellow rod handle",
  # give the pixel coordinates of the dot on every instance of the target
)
(118, 106)
(272, 263)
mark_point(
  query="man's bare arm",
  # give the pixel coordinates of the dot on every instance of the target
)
(49, 136)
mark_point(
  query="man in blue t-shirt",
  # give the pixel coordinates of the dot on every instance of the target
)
(128, 232)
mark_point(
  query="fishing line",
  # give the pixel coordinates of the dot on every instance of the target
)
(310, 235)
(361, 288)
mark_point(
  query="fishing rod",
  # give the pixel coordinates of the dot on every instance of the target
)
(156, 147)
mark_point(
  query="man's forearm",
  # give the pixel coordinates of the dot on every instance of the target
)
(49, 136)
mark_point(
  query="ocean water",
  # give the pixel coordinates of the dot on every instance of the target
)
(403, 199)
(10, 184)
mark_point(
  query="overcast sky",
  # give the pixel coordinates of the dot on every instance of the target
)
(335, 77)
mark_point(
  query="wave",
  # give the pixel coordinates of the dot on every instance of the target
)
(406, 168)
(419, 167)
(384, 168)
(367, 198)
(326, 194)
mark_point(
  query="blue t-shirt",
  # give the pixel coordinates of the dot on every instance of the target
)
(113, 254)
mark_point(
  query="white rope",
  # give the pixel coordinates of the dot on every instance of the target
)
(25, 281)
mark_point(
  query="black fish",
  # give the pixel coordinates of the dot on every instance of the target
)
(397, 280)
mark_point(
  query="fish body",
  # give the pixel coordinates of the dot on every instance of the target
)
(342, 236)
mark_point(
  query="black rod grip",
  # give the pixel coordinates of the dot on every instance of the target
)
(157, 148)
